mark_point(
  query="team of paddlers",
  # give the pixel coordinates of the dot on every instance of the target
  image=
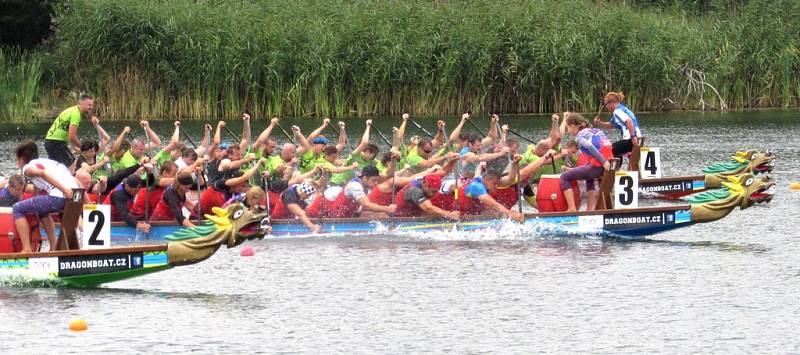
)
(308, 177)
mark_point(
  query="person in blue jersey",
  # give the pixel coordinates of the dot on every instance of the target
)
(622, 119)
(596, 150)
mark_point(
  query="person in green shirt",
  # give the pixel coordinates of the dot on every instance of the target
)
(311, 148)
(64, 130)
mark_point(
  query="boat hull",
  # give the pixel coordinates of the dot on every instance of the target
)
(631, 223)
(82, 268)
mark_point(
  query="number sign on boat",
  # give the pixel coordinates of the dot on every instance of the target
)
(652, 163)
(626, 189)
(96, 226)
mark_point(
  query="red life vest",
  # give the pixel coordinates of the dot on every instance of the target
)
(601, 143)
(468, 205)
(138, 203)
(274, 198)
(443, 201)
(107, 201)
(506, 197)
(90, 197)
(379, 197)
(404, 208)
(211, 198)
(162, 212)
(341, 207)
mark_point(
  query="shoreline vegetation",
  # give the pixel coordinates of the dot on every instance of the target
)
(192, 58)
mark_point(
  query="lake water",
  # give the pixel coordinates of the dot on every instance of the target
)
(732, 286)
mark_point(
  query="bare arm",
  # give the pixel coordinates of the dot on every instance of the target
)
(301, 215)
(246, 176)
(428, 207)
(364, 139)
(262, 138)
(103, 136)
(315, 133)
(492, 135)
(454, 135)
(245, 132)
(439, 138)
(301, 140)
(155, 142)
(342, 137)
(36, 172)
(72, 134)
(398, 137)
(554, 136)
(118, 142)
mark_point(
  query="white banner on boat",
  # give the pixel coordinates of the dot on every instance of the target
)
(650, 163)
(626, 189)
(96, 226)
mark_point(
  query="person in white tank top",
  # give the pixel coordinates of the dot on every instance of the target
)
(47, 176)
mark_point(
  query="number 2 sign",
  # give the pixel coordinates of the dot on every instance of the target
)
(652, 163)
(96, 226)
(626, 189)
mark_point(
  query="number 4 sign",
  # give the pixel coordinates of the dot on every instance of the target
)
(626, 189)
(652, 163)
(96, 226)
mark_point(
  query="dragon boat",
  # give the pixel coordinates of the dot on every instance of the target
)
(741, 191)
(92, 267)
(713, 177)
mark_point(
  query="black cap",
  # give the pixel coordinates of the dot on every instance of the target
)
(370, 171)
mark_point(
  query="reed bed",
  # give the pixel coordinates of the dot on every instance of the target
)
(203, 58)
(20, 76)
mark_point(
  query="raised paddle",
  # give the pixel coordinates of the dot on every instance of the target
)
(188, 138)
(420, 128)
(382, 136)
(146, 188)
(346, 141)
(521, 136)
(238, 141)
(288, 136)
(475, 126)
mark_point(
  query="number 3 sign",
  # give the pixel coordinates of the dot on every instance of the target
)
(96, 226)
(626, 189)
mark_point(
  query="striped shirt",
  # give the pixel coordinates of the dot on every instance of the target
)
(621, 115)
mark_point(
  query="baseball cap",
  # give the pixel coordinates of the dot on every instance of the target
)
(370, 171)
(320, 140)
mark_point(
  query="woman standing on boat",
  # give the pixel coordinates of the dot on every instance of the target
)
(595, 152)
(48, 176)
(624, 120)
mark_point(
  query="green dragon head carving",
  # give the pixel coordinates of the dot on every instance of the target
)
(750, 161)
(230, 226)
(743, 190)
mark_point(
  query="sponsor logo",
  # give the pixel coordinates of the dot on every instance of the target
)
(666, 187)
(633, 220)
(96, 264)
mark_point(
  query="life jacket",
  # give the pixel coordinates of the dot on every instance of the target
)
(115, 216)
(443, 201)
(274, 198)
(162, 212)
(211, 198)
(280, 211)
(467, 205)
(139, 202)
(379, 197)
(90, 197)
(340, 207)
(505, 196)
(601, 143)
(405, 208)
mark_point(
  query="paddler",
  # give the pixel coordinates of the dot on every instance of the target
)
(48, 176)
(595, 152)
(475, 196)
(311, 149)
(64, 131)
(293, 204)
(352, 199)
(12, 192)
(622, 119)
(121, 200)
(218, 192)
(413, 200)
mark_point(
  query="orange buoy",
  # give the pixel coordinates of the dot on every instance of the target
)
(78, 325)
(794, 186)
